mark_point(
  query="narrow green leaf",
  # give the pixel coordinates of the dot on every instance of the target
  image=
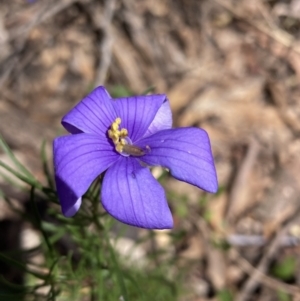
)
(224, 295)
(118, 272)
(21, 266)
(39, 221)
(29, 180)
(119, 91)
(15, 287)
(11, 296)
(10, 154)
(286, 268)
(11, 205)
(46, 169)
(283, 296)
(148, 90)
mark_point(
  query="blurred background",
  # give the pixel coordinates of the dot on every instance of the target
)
(231, 67)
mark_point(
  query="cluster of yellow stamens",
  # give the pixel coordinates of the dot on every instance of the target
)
(118, 136)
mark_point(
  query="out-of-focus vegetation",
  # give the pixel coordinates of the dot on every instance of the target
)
(231, 67)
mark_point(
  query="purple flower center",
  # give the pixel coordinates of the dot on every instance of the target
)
(122, 142)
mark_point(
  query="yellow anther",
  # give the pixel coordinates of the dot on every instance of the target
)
(114, 126)
(123, 133)
(118, 136)
(115, 140)
(111, 134)
(119, 148)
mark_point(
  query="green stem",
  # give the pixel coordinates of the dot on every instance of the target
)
(39, 222)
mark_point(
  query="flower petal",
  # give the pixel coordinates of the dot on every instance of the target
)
(78, 160)
(94, 114)
(132, 195)
(162, 119)
(138, 112)
(186, 152)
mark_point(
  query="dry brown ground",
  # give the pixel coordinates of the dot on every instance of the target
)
(231, 67)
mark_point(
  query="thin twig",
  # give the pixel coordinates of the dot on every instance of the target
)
(263, 266)
(242, 240)
(105, 46)
(264, 279)
(241, 180)
(277, 34)
(46, 12)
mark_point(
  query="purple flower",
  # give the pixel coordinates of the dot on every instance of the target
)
(122, 137)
